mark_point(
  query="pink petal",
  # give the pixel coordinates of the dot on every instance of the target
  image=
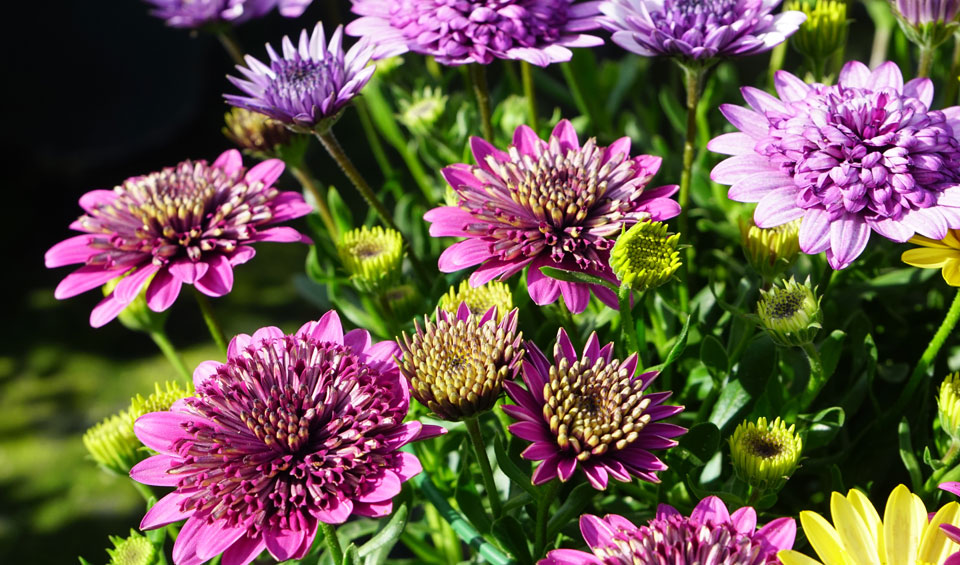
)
(163, 291)
(951, 486)
(241, 255)
(280, 234)
(165, 511)
(921, 89)
(735, 143)
(97, 199)
(891, 229)
(779, 533)
(219, 277)
(710, 510)
(543, 289)
(327, 329)
(815, 231)
(749, 122)
(237, 345)
(266, 172)
(230, 161)
(754, 187)
(336, 514)
(744, 520)
(243, 551)
(216, 538)
(289, 205)
(185, 548)
(482, 149)
(546, 471)
(129, 287)
(106, 311)
(69, 251)
(887, 75)
(448, 221)
(527, 141)
(384, 487)
(86, 278)
(464, 254)
(204, 371)
(188, 271)
(596, 531)
(459, 176)
(737, 167)
(407, 466)
(790, 87)
(596, 475)
(153, 471)
(566, 135)
(538, 451)
(162, 431)
(565, 468)
(855, 73)
(283, 545)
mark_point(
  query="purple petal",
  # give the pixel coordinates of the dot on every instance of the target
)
(848, 238)
(779, 533)
(815, 231)
(165, 511)
(777, 207)
(69, 251)
(163, 291)
(464, 254)
(327, 329)
(153, 471)
(86, 278)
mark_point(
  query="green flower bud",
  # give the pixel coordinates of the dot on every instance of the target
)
(645, 256)
(772, 251)
(825, 30)
(132, 550)
(479, 299)
(764, 455)
(948, 406)
(422, 112)
(255, 133)
(372, 256)
(790, 313)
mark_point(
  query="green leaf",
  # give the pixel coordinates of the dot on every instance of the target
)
(757, 364)
(830, 351)
(378, 548)
(341, 213)
(350, 556)
(576, 277)
(673, 110)
(732, 401)
(511, 469)
(702, 441)
(573, 506)
(714, 356)
(514, 536)
(822, 426)
(930, 460)
(679, 346)
(907, 456)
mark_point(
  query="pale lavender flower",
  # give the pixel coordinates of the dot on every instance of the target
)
(919, 12)
(198, 13)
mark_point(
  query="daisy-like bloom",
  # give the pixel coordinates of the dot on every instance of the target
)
(866, 154)
(537, 31)
(548, 203)
(198, 13)
(711, 535)
(309, 85)
(479, 299)
(291, 431)
(790, 313)
(858, 535)
(192, 223)
(765, 454)
(933, 254)
(591, 412)
(698, 30)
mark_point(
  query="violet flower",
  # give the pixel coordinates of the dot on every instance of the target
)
(920, 12)
(198, 13)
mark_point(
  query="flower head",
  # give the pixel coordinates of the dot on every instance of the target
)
(547, 203)
(192, 223)
(825, 30)
(866, 154)
(308, 87)
(948, 406)
(698, 30)
(456, 366)
(645, 256)
(199, 13)
(764, 455)
(770, 251)
(132, 550)
(421, 112)
(372, 256)
(858, 535)
(303, 428)
(455, 33)
(790, 313)
(952, 530)
(709, 536)
(255, 132)
(479, 299)
(590, 411)
(932, 254)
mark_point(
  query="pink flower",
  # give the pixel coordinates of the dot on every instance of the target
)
(188, 224)
(547, 203)
(291, 431)
(952, 531)
(590, 412)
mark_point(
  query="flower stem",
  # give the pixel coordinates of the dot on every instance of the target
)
(949, 460)
(473, 428)
(333, 147)
(930, 354)
(692, 75)
(212, 324)
(777, 55)
(373, 138)
(526, 71)
(626, 319)
(478, 75)
(950, 94)
(547, 494)
(926, 60)
(231, 45)
(333, 542)
(319, 196)
(170, 352)
(816, 381)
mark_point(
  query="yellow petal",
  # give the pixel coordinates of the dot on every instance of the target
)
(824, 539)
(853, 532)
(869, 516)
(927, 258)
(903, 524)
(791, 557)
(936, 546)
(927, 242)
(951, 272)
(952, 239)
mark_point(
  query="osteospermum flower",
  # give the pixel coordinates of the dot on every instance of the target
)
(304, 428)
(188, 224)
(198, 13)
(858, 535)
(698, 30)
(537, 31)
(592, 412)
(309, 85)
(932, 254)
(547, 203)
(866, 154)
(709, 536)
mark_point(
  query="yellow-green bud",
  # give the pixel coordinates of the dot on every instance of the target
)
(771, 251)
(137, 316)
(160, 399)
(825, 30)
(256, 133)
(790, 313)
(764, 455)
(132, 550)
(645, 256)
(423, 110)
(479, 299)
(948, 406)
(372, 256)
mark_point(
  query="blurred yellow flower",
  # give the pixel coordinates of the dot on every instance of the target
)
(943, 254)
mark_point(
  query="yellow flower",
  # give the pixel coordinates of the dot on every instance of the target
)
(943, 254)
(858, 537)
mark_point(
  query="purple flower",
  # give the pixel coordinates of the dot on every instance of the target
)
(192, 223)
(919, 12)
(589, 411)
(547, 203)
(865, 154)
(456, 32)
(310, 84)
(952, 531)
(709, 536)
(198, 13)
(291, 431)
(698, 30)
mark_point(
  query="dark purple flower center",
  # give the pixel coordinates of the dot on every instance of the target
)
(296, 426)
(300, 79)
(700, 16)
(181, 211)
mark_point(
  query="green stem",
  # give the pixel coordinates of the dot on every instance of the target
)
(926, 60)
(626, 318)
(372, 138)
(930, 354)
(949, 460)
(777, 56)
(212, 324)
(476, 438)
(816, 381)
(333, 543)
(950, 94)
(692, 75)
(146, 492)
(526, 70)
(319, 196)
(231, 45)
(170, 352)
(333, 147)
(478, 76)
(577, 94)
(547, 494)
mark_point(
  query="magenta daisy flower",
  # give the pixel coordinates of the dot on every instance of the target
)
(867, 154)
(589, 411)
(952, 531)
(310, 84)
(455, 33)
(709, 536)
(291, 431)
(198, 13)
(547, 203)
(192, 223)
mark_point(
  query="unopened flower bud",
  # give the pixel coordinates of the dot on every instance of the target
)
(927, 23)
(790, 313)
(764, 455)
(770, 251)
(825, 30)
(421, 113)
(137, 316)
(948, 406)
(256, 133)
(132, 550)
(479, 299)
(372, 256)
(645, 256)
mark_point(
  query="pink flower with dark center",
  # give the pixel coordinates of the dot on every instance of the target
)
(867, 154)
(291, 431)
(192, 223)
(548, 203)
(709, 536)
(591, 412)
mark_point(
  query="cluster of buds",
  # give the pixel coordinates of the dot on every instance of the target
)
(790, 313)
(373, 257)
(134, 549)
(645, 256)
(824, 33)
(770, 251)
(479, 299)
(765, 454)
